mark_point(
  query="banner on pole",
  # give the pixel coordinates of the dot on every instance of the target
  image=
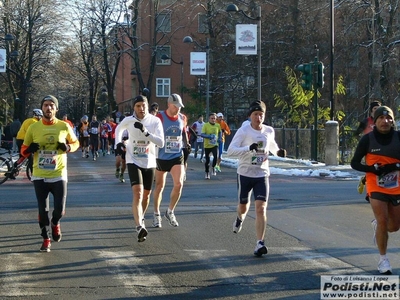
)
(246, 39)
(198, 63)
(3, 60)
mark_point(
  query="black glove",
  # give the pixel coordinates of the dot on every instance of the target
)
(376, 169)
(390, 168)
(189, 147)
(223, 130)
(139, 126)
(62, 146)
(253, 146)
(281, 152)
(33, 147)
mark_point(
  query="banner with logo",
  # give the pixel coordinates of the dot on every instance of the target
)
(246, 39)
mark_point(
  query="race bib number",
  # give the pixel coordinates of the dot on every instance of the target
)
(258, 158)
(94, 130)
(47, 160)
(199, 139)
(389, 181)
(213, 139)
(85, 133)
(173, 144)
(140, 149)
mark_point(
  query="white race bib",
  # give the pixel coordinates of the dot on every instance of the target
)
(47, 159)
(173, 144)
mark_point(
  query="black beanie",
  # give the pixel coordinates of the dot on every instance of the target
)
(139, 98)
(373, 104)
(257, 106)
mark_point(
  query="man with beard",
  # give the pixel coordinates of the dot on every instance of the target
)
(49, 140)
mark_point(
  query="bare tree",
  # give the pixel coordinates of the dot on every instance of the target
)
(34, 26)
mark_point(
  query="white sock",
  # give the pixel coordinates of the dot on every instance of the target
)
(382, 257)
(169, 211)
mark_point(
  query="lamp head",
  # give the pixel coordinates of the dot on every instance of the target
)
(232, 8)
(188, 39)
(9, 37)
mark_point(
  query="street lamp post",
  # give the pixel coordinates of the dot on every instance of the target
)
(234, 8)
(188, 39)
(166, 57)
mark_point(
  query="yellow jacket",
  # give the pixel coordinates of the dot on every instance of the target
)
(24, 127)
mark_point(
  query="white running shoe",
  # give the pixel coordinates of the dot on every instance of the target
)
(384, 267)
(157, 221)
(237, 225)
(142, 233)
(260, 249)
(207, 175)
(121, 178)
(171, 219)
(214, 173)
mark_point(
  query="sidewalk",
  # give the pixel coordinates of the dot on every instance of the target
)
(298, 167)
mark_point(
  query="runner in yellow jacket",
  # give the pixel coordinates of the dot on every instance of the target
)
(49, 140)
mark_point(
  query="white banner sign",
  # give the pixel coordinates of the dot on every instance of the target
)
(2, 60)
(198, 63)
(246, 39)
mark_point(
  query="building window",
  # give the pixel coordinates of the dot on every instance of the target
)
(161, 50)
(163, 87)
(164, 22)
(202, 26)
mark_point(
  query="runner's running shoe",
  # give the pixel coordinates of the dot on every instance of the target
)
(157, 221)
(121, 178)
(117, 173)
(171, 219)
(141, 233)
(237, 225)
(260, 249)
(207, 175)
(56, 232)
(384, 267)
(46, 245)
(214, 173)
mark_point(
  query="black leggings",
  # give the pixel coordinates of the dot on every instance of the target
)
(94, 142)
(207, 151)
(42, 190)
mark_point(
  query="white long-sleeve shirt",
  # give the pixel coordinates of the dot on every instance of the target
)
(251, 163)
(140, 149)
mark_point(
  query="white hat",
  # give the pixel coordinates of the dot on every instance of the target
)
(220, 115)
(176, 100)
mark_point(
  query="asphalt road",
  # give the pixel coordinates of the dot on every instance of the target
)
(316, 226)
